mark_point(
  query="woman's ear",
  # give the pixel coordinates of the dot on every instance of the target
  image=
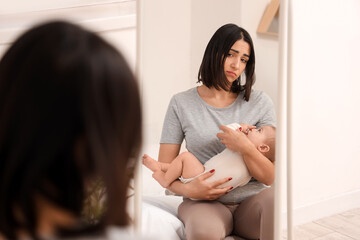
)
(263, 148)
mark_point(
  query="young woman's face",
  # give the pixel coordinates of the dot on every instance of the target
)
(236, 60)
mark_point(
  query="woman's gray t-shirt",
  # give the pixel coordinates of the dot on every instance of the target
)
(189, 117)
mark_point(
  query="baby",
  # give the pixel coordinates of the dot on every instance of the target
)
(187, 167)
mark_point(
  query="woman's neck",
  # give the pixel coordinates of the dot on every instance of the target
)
(216, 98)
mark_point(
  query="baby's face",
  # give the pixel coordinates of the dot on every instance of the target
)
(258, 136)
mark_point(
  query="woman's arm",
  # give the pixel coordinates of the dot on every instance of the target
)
(168, 152)
(200, 189)
(260, 167)
(197, 189)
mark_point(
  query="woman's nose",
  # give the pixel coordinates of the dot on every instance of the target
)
(236, 63)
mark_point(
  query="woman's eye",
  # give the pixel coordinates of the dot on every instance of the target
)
(244, 60)
(230, 55)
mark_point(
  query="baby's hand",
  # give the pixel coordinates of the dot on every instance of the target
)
(246, 127)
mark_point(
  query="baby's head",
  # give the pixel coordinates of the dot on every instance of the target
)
(264, 140)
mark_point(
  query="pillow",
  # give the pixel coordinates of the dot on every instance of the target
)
(168, 203)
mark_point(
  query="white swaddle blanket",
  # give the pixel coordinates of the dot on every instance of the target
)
(227, 164)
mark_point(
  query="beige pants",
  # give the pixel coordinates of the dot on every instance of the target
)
(251, 219)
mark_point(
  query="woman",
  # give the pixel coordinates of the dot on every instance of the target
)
(69, 114)
(225, 96)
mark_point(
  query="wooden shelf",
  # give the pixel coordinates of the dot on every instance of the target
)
(271, 12)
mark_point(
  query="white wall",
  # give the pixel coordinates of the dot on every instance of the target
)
(325, 106)
(166, 66)
(114, 20)
(266, 48)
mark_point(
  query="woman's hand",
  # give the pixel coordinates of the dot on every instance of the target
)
(236, 141)
(246, 127)
(201, 189)
(197, 189)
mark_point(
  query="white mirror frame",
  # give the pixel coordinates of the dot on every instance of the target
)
(138, 73)
(283, 167)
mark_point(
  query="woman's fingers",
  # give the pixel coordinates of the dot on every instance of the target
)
(246, 127)
(222, 191)
(243, 128)
(208, 190)
(218, 192)
(220, 135)
(207, 174)
(212, 192)
(219, 182)
(224, 128)
(216, 183)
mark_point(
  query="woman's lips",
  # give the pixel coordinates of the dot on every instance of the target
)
(231, 73)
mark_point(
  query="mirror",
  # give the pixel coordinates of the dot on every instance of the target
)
(174, 35)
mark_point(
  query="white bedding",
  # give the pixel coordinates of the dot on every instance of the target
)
(159, 218)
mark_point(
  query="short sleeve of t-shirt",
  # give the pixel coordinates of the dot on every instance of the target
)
(172, 132)
(267, 113)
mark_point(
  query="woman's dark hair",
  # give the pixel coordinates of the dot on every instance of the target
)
(69, 113)
(211, 72)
